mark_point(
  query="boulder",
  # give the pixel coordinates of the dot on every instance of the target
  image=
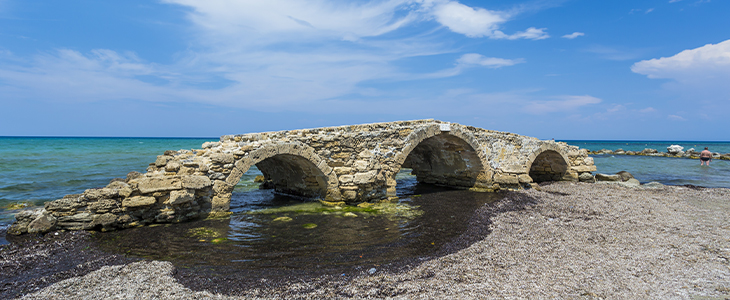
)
(586, 177)
(649, 151)
(44, 223)
(606, 177)
(625, 176)
(674, 149)
(259, 178)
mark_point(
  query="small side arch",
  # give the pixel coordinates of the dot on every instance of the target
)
(451, 158)
(547, 163)
(293, 168)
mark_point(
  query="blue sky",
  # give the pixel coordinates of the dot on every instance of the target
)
(657, 70)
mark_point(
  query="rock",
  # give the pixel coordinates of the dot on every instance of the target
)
(674, 149)
(570, 176)
(133, 175)
(649, 151)
(633, 182)
(652, 185)
(349, 214)
(366, 177)
(506, 179)
(222, 158)
(372, 271)
(259, 178)
(282, 219)
(148, 185)
(625, 175)
(44, 223)
(524, 178)
(162, 160)
(180, 197)
(586, 177)
(106, 220)
(196, 182)
(332, 204)
(606, 177)
(138, 201)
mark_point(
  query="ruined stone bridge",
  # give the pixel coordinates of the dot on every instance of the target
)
(348, 163)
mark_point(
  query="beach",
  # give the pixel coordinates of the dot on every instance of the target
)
(565, 240)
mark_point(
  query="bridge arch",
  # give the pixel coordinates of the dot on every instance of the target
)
(547, 163)
(452, 158)
(292, 168)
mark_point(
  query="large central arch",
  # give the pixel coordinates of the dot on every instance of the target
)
(448, 158)
(293, 168)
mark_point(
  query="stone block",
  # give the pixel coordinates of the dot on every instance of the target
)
(345, 179)
(570, 176)
(103, 193)
(82, 217)
(606, 177)
(148, 185)
(583, 169)
(343, 170)
(365, 177)
(162, 160)
(172, 166)
(138, 201)
(588, 161)
(361, 165)
(506, 179)
(222, 158)
(221, 187)
(524, 178)
(105, 220)
(180, 197)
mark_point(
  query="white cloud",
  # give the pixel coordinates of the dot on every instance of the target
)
(573, 35)
(676, 118)
(269, 55)
(711, 61)
(615, 53)
(489, 62)
(565, 103)
(647, 110)
(472, 22)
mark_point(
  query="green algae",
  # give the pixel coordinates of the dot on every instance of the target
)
(386, 209)
(309, 226)
(203, 232)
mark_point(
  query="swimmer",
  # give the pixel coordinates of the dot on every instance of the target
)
(705, 157)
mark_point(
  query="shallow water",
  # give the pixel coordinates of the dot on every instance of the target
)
(427, 218)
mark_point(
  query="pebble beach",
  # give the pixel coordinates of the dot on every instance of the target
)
(563, 240)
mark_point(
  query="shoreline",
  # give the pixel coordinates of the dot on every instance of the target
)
(567, 240)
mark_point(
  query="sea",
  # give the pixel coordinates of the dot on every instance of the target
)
(34, 170)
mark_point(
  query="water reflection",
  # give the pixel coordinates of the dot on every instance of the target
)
(425, 218)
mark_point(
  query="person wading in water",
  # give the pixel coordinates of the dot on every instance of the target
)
(705, 157)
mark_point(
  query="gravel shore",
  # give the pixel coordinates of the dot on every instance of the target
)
(565, 241)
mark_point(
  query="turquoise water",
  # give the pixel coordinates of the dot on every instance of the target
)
(34, 170)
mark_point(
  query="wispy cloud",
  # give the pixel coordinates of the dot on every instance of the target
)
(615, 53)
(573, 35)
(676, 118)
(271, 55)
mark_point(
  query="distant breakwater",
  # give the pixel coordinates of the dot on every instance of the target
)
(672, 151)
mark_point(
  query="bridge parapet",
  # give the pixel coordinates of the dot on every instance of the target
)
(346, 163)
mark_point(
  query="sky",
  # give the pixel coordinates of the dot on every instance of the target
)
(599, 70)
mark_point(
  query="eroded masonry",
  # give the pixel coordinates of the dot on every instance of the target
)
(348, 163)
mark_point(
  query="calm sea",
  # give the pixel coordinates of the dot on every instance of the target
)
(34, 170)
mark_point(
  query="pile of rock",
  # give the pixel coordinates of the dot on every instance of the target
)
(621, 178)
(672, 151)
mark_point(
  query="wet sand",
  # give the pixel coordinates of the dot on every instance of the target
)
(567, 241)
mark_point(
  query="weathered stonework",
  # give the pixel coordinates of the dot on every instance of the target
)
(348, 163)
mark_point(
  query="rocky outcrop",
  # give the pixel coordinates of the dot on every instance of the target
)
(672, 151)
(348, 163)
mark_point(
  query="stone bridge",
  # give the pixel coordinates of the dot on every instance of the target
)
(348, 163)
